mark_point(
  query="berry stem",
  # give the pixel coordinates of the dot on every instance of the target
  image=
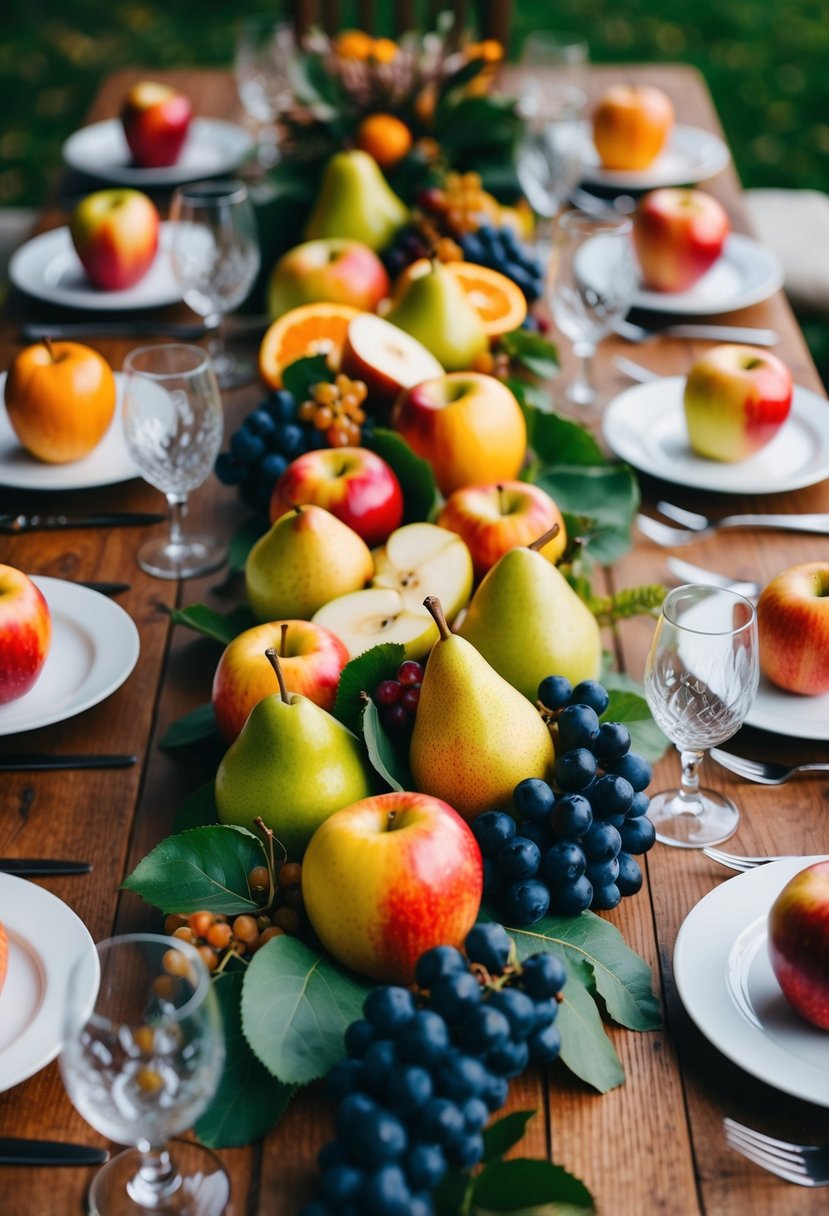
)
(433, 607)
(273, 659)
(543, 540)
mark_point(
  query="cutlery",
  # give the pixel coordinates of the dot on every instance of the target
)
(635, 371)
(765, 772)
(593, 204)
(804, 1164)
(40, 762)
(33, 867)
(49, 523)
(736, 862)
(664, 534)
(105, 588)
(184, 331)
(14, 1151)
(696, 574)
(715, 333)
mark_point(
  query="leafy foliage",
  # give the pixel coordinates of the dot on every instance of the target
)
(415, 475)
(386, 759)
(363, 674)
(199, 724)
(223, 627)
(204, 868)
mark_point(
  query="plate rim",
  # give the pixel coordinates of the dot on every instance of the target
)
(45, 1029)
(735, 242)
(819, 732)
(714, 1030)
(643, 179)
(165, 175)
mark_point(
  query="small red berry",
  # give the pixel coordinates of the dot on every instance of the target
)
(410, 699)
(389, 692)
(410, 672)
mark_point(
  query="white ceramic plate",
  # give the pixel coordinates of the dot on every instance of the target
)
(94, 648)
(105, 465)
(745, 273)
(46, 939)
(48, 268)
(212, 147)
(787, 713)
(691, 155)
(726, 983)
(645, 425)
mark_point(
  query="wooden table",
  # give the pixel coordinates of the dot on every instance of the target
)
(653, 1145)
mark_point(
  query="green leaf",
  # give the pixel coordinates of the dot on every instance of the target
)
(452, 1193)
(628, 705)
(300, 376)
(192, 728)
(500, 1136)
(248, 1101)
(384, 758)
(512, 1186)
(243, 541)
(608, 495)
(417, 481)
(561, 441)
(363, 674)
(221, 626)
(197, 811)
(535, 352)
(203, 868)
(296, 1004)
(456, 80)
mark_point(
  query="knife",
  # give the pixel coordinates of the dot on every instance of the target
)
(105, 588)
(33, 867)
(14, 1151)
(48, 523)
(113, 329)
(40, 762)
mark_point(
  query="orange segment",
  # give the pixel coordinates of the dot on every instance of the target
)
(313, 329)
(499, 302)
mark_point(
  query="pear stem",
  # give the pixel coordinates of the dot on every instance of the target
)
(543, 540)
(433, 606)
(284, 631)
(273, 659)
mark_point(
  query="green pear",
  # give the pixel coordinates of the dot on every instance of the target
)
(292, 765)
(356, 201)
(527, 621)
(474, 736)
(307, 558)
(433, 307)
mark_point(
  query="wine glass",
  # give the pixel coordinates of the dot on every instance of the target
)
(261, 69)
(560, 56)
(549, 156)
(173, 424)
(140, 1062)
(700, 679)
(214, 251)
(591, 282)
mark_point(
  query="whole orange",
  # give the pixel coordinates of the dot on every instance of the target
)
(385, 137)
(60, 398)
(631, 125)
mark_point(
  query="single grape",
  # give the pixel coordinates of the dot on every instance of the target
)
(359, 1036)
(546, 1012)
(389, 1009)
(600, 873)
(525, 901)
(410, 672)
(484, 1029)
(554, 692)
(533, 799)
(291, 440)
(578, 726)
(454, 996)
(438, 961)
(540, 833)
(489, 944)
(425, 1166)
(510, 1059)
(496, 1092)
(378, 1064)
(386, 1192)
(611, 795)
(467, 1151)
(463, 1076)
(634, 768)
(272, 467)
(475, 1114)
(388, 692)
(280, 405)
(637, 835)
(261, 423)
(612, 742)
(576, 769)
(246, 447)
(520, 858)
(639, 806)
(572, 898)
(344, 1077)
(395, 717)
(425, 1039)
(544, 1045)
(441, 1122)
(605, 898)
(493, 830)
(517, 1008)
(409, 1088)
(563, 862)
(571, 816)
(229, 470)
(543, 975)
(592, 693)
(342, 1183)
(630, 875)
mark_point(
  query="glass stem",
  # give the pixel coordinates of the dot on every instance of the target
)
(178, 510)
(581, 389)
(156, 1180)
(689, 796)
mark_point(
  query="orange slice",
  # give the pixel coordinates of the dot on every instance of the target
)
(4, 954)
(312, 329)
(499, 302)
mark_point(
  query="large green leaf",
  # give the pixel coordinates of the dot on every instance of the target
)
(363, 674)
(417, 481)
(606, 494)
(248, 1101)
(385, 759)
(628, 705)
(192, 728)
(523, 1183)
(300, 376)
(221, 626)
(197, 811)
(533, 351)
(202, 868)
(561, 441)
(503, 1134)
(296, 1004)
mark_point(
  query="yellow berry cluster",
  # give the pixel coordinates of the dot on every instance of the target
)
(337, 410)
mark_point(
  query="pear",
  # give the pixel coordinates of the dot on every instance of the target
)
(474, 736)
(527, 621)
(292, 765)
(307, 558)
(356, 201)
(433, 307)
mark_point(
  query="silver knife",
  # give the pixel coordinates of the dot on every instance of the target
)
(23, 762)
(186, 332)
(50, 523)
(46, 867)
(14, 1151)
(723, 333)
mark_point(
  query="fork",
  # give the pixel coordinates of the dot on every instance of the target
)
(696, 574)
(702, 526)
(632, 332)
(805, 1164)
(768, 772)
(734, 861)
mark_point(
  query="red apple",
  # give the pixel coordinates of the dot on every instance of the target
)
(385, 358)
(329, 270)
(115, 234)
(793, 628)
(311, 659)
(678, 234)
(631, 125)
(25, 633)
(389, 877)
(736, 400)
(156, 119)
(799, 942)
(352, 483)
(495, 518)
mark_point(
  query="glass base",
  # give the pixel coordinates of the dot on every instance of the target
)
(231, 371)
(192, 556)
(201, 1187)
(710, 819)
(580, 393)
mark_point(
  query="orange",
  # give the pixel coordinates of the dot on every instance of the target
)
(312, 329)
(499, 302)
(383, 50)
(385, 137)
(353, 44)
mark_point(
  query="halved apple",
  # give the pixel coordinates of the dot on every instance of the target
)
(422, 559)
(363, 619)
(385, 358)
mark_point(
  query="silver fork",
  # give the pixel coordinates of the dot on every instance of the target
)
(713, 333)
(702, 527)
(696, 574)
(804, 1164)
(768, 772)
(734, 861)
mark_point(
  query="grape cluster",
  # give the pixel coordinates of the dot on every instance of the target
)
(573, 846)
(424, 1071)
(336, 410)
(502, 249)
(398, 698)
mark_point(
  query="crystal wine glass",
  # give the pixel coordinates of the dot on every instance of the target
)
(141, 1062)
(591, 283)
(173, 424)
(261, 68)
(549, 157)
(700, 679)
(214, 251)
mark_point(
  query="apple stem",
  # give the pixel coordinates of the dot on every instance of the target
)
(543, 540)
(284, 630)
(500, 490)
(47, 342)
(433, 607)
(273, 659)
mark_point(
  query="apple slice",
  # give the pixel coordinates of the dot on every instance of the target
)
(363, 619)
(385, 358)
(423, 559)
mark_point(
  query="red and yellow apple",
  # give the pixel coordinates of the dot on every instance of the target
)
(793, 629)
(678, 234)
(329, 270)
(736, 399)
(468, 425)
(25, 633)
(354, 484)
(495, 518)
(389, 877)
(156, 120)
(311, 659)
(385, 358)
(798, 927)
(631, 125)
(60, 399)
(115, 234)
